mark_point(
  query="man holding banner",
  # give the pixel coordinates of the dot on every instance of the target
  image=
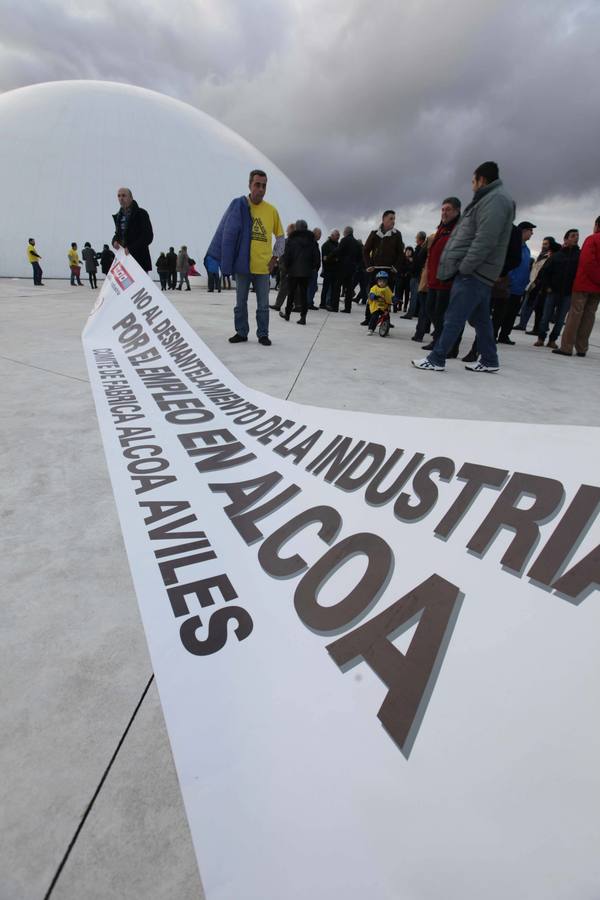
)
(243, 245)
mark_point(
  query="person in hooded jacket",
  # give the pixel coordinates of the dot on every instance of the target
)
(162, 267)
(557, 277)
(301, 258)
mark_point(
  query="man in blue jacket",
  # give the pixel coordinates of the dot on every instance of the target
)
(504, 311)
(243, 246)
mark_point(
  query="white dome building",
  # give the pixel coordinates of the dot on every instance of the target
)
(67, 146)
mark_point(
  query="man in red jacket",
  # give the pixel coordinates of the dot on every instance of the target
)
(438, 292)
(585, 297)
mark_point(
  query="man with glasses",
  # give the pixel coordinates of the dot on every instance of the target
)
(243, 245)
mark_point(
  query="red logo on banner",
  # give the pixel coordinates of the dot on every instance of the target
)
(121, 276)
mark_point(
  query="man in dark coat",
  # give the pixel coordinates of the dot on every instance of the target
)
(171, 257)
(384, 248)
(133, 230)
(329, 258)
(557, 278)
(349, 259)
(301, 258)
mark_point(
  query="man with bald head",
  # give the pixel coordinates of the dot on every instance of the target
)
(133, 229)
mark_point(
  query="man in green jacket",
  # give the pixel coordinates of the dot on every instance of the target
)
(474, 257)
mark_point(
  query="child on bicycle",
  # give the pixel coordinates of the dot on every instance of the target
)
(380, 300)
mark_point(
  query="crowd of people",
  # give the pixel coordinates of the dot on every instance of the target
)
(475, 268)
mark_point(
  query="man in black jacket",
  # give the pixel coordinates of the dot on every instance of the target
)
(419, 259)
(172, 264)
(301, 258)
(133, 230)
(349, 258)
(557, 279)
(329, 258)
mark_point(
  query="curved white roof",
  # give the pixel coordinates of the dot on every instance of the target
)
(67, 146)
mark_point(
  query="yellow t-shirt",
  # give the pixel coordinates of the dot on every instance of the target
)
(73, 257)
(382, 298)
(32, 253)
(265, 224)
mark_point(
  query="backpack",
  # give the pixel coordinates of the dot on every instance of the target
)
(513, 251)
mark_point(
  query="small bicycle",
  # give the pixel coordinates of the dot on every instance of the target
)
(383, 323)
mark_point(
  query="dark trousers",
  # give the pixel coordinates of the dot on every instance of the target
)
(504, 313)
(172, 280)
(437, 304)
(37, 273)
(92, 279)
(424, 322)
(345, 285)
(283, 290)
(297, 290)
(214, 281)
(328, 288)
(164, 280)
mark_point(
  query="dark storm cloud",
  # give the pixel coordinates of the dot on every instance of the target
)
(362, 104)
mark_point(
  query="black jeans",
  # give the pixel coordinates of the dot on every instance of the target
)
(214, 281)
(92, 279)
(437, 304)
(37, 272)
(172, 280)
(504, 313)
(328, 289)
(297, 289)
(164, 280)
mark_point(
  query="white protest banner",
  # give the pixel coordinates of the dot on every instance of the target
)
(375, 638)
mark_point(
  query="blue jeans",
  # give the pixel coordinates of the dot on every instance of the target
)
(312, 288)
(414, 296)
(261, 284)
(555, 309)
(469, 301)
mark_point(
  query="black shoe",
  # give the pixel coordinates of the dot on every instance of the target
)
(406, 316)
(346, 311)
(470, 357)
(417, 337)
(283, 315)
(564, 352)
(188, 289)
(505, 340)
(312, 306)
(301, 321)
(237, 339)
(178, 288)
(531, 332)
(428, 346)
(273, 306)
(365, 323)
(578, 353)
(264, 341)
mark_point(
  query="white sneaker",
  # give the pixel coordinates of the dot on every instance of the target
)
(370, 332)
(425, 364)
(479, 367)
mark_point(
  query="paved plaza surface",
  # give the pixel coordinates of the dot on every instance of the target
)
(90, 805)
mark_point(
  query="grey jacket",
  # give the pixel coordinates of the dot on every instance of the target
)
(479, 242)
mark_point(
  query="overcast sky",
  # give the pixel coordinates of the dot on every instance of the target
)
(363, 104)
